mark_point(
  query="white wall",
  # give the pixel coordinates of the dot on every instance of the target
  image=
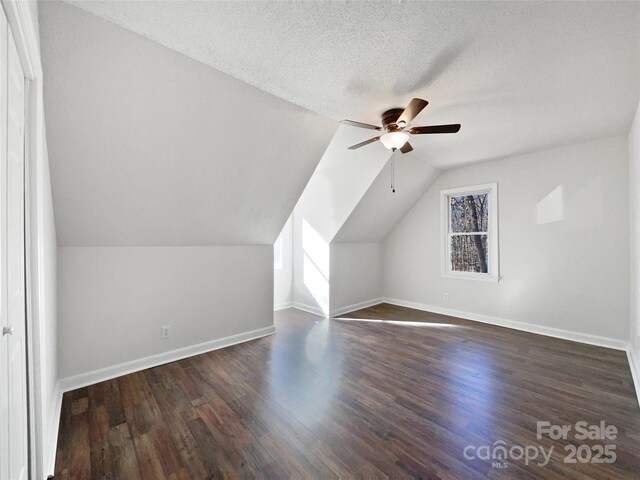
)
(336, 187)
(342, 217)
(356, 250)
(356, 276)
(113, 301)
(570, 274)
(150, 147)
(634, 223)
(283, 277)
(167, 207)
(44, 307)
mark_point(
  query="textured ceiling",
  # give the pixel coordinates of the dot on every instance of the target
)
(149, 147)
(519, 76)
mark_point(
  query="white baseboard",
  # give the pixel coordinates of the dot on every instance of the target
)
(282, 306)
(338, 311)
(355, 306)
(634, 365)
(100, 375)
(51, 444)
(523, 326)
(309, 308)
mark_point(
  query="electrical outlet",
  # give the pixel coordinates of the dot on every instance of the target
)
(446, 295)
(165, 332)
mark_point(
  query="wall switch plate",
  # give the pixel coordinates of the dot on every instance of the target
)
(446, 295)
(165, 332)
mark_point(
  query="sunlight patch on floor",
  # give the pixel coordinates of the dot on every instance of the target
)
(401, 322)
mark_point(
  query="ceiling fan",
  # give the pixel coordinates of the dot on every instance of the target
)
(395, 123)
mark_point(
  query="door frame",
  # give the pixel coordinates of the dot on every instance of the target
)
(25, 32)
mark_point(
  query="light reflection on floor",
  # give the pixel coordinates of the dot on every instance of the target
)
(304, 375)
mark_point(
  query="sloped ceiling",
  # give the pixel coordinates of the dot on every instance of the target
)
(340, 181)
(380, 209)
(519, 76)
(149, 147)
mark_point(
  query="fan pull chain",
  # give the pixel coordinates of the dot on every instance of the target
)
(393, 174)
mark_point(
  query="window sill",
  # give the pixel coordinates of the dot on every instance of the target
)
(471, 276)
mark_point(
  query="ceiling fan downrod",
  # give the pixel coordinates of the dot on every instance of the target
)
(393, 174)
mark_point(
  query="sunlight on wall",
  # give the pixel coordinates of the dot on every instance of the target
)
(278, 252)
(316, 265)
(551, 208)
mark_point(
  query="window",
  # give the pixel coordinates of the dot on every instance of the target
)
(277, 253)
(470, 232)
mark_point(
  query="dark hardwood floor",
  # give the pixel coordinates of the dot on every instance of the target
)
(368, 399)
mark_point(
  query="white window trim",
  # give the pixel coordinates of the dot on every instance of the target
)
(494, 261)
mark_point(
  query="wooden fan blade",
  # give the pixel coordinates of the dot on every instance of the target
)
(360, 125)
(362, 144)
(454, 128)
(406, 148)
(413, 109)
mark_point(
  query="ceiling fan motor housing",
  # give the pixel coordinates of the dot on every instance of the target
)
(390, 117)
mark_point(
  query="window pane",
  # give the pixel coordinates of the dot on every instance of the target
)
(469, 213)
(469, 253)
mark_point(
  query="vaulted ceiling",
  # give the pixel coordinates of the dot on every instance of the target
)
(518, 76)
(213, 139)
(340, 182)
(149, 147)
(380, 209)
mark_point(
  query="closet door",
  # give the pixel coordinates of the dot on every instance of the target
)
(13, 352)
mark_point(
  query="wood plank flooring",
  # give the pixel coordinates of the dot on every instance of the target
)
(355, 398)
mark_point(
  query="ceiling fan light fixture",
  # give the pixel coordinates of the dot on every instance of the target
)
(394, 140)
(394, 122)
